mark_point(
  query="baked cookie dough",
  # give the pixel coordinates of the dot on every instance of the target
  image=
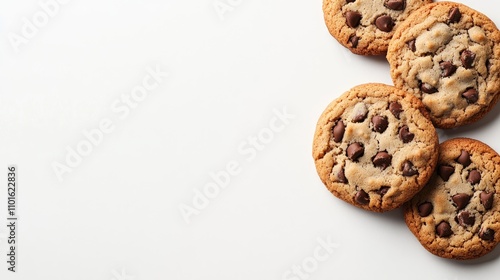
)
(374, 147)
(457, 215)
(448, 55)
(366, 26)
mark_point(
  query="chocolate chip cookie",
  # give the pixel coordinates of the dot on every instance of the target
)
(366, 26)
(448, 55)
(457, 214)
(374, 147)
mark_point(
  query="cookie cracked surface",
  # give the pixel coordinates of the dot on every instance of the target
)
(457, 214)
(374, 147)
(366, 26)
(448, 55)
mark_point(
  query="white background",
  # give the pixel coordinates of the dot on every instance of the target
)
(117, 215)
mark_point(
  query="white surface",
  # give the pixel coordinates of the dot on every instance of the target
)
(116, 215)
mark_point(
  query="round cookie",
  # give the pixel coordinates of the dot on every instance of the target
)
(374, 147)
(457, 215)
(448, 55)
(366, 26)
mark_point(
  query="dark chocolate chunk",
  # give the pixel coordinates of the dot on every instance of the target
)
(474, 177)
(382, 159)
(396, 109)
(397, 5)
(464, 158)
(411, 45)
(454, 15)
(405, 135)
(338, 131)
(353, 39)
(461, 200)
(362, 197)
(445, 172)
(425, 209)
(380, 123)
(467, 57)
(471, 95)
(384, 23)
(465, 218)
(443, 229)
(426, 88)
(383, 190)
(352, 18)
(486, 200)
(409, 169)
(447, 68)
(487, 234)
(350, 1)
(341, 176)
(355, 151)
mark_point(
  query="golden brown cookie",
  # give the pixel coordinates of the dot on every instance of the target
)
(457, 215)
(448, 55)
(366, 26)
(374, 147)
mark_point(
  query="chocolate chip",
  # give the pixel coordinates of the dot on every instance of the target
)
(338, 131)
(447, 68)
(486, 234)
(384, 23)
(467, 57)
(466, 219)
(341, 176)
(443, 229)
(397, 5)
(359, 112)
(382, 159)
(486, 200)
(461, 200)
(362, 197)
(474, 177)
(409, 169)
(380, 123)
(350, 1)
(405, 135)
(353, 39)
(471, 95)
(445, 172)
(396, 109)
(352, 18)
(355, 151)
(411, 45)
(383, 190)
(464, 158)
(425, 209)
(427, 88)
(454, 15)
